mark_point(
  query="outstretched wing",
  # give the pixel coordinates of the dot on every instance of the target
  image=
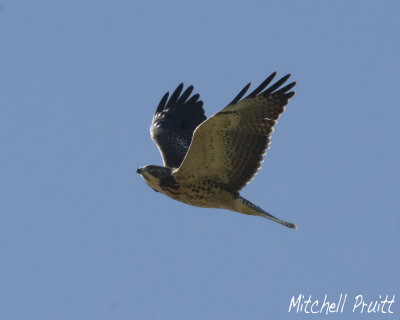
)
(174, 122)
(228, 148)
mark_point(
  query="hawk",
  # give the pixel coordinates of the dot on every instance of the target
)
(208, 161)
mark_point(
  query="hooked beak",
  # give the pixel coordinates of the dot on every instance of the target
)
(139, 170)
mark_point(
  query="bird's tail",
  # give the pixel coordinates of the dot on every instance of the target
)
(245, 206)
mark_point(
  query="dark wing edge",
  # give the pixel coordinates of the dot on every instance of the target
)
(267, 91)
(174, 122)
(277, 99)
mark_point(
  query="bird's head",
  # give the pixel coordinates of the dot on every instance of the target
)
(154, 174)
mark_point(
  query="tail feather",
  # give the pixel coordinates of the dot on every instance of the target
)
(245, 206)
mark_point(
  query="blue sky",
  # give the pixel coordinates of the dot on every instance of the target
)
(83, 237)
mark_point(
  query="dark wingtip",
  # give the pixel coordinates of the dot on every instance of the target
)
(162, 103)
(240, 94)
(276, 85)
(290, 94)
(286, 88)
(185, 95)
(193, 99)
(285, 77)
(262, 86)
(175, 95)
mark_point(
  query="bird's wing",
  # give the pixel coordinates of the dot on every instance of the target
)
(228, 147)
(174, 122)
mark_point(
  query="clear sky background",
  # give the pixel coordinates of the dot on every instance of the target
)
(83, 237)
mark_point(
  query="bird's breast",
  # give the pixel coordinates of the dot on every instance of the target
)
(202, 193)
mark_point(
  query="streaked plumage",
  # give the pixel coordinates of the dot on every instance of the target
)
(208, 161)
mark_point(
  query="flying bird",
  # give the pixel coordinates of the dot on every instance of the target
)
(208, 161)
